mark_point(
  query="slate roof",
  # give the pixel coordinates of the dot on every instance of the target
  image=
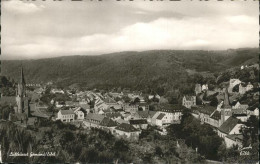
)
(108, 122)
(160, 116)
(113, 115)
(170, 108)
(207, 110)
(229, 124)
(216, 115)
(126, 128)
(145, 114)
(65, 112)
(93, 116)
(136, 122)
(84, 106)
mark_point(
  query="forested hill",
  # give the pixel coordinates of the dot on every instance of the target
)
(136, 70)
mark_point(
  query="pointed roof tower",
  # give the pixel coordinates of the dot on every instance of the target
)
(226, 103)
(22, 77)
(21, 85)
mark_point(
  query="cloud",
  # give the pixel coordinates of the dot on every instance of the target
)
(61, 29)
(21, 7)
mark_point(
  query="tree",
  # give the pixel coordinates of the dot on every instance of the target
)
(236, 88)
(214, 101)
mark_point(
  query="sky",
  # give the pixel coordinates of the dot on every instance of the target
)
(43, 29)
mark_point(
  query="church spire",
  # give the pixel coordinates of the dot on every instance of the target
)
(226, 103)
(22, 77)
(21, 84)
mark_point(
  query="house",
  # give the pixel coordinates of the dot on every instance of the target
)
(100, 105)
(126, 131)
(232, 83)
(107, 124)
(240, 106)
(85, 107)
(189, 101)
(79, 114)
(132, 108)
(249, 87)
(66, 116)
(158, 119)
(205, 113)
(204, 87)
(139, 124)
(243, 88)
(127, 116)
(144, 115)
(231, 126)
(150, 97)
(234, 139)
(54, 91)
(253, 111)
(113, 116)
(242, 117)
(144, 106)
(93, 120)
(195, 111)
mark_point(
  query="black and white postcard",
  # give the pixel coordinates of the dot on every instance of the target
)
(129, 81)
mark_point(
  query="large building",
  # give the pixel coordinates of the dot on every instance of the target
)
(20, 103)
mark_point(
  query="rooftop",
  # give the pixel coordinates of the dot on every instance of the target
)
(161, 115)
(140, 121)
(66, 112)
(108, 122)
(126, 128)
(229, 124)
(93, 116)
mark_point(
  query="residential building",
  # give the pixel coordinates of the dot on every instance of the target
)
(189, 101)
(132, 108)
(79, 114)
(139, 124)
(231, 126)
(232, 83)
(233, 140)
(93, 120)
(66, 115)
(244, 88)
(126, 131)
(204, 87)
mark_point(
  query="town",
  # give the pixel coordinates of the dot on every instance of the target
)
(127, 113)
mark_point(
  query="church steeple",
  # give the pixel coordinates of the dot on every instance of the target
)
(22, 77)
(226, 103)
(21, 85)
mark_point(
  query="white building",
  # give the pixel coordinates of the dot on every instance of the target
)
(189, 101)
(166, 117)
(234, 139)
(126, 131)
(231, 126)
(78, 113)
(232, 83)
(66, 115)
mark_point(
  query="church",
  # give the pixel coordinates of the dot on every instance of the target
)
(20, 102)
